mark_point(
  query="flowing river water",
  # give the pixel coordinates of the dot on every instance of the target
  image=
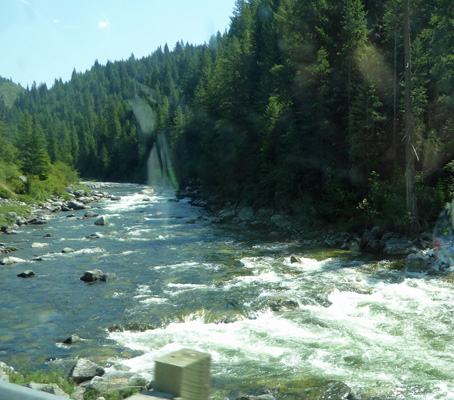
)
(224, 290)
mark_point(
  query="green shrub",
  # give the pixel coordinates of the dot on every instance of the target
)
(385, 204)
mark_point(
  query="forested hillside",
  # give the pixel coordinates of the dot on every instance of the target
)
(299, 106)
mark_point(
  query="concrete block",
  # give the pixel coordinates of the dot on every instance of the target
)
(184, 373)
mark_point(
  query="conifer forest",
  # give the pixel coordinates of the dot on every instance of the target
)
(316, 107)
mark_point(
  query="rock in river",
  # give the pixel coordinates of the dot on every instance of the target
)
(26, 274)
(102, 221)
(11, 260)
(97, 275)
(72, 339)
(91, 214)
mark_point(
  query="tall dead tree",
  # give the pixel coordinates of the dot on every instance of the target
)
(410, 151)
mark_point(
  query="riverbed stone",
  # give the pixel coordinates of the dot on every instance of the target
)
(281, 222)
(91, 214)
(97, 275)
(282, 303)
(26, 274)
(399, 246)
(92, 276)
(134, 327)
(75, 205)
(74, 338)
(85, 200)
(246, 213)
(11, 260)
(85, 370)
(108, 277)
(226, 215)
(96, 235)
(37, 245)
(67, 250)
(147, 191)
(21, 221)
(51, 388)
(338, 391)
(102, 221)
(295, 260)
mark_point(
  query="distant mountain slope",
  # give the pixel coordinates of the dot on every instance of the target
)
(9, 91)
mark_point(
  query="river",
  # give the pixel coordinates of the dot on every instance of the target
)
(228, 291)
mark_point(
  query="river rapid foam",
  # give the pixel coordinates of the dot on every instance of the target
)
(231, 292)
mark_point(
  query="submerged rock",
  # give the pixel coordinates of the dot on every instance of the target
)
(338, 391)
(91, 214)
(26, 274)
(97, 275)
(134, 327)
(147, 191)
(95, 235)
(37, 245)
(92, 276)
(281, 303)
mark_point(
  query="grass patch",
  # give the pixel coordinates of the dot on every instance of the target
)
(52, 376)
(20, 209)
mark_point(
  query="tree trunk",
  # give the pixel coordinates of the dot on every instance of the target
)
(395, 83)
(410, 152)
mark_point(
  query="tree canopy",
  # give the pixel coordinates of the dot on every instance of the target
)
(300, 106)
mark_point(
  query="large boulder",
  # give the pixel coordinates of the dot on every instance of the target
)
(246, 214)
(421, 261)
(75, 205)
(97, 275)
(85, 370)
(370, 243)
(85, 200)
(92, 276)
(226, 215)
(398, 246)
(5, 372)
(281, 222)
(102, 221)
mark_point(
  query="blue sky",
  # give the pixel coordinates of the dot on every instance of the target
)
(43, 40)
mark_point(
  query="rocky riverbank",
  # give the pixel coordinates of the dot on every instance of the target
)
(42, 213)
(417, 251)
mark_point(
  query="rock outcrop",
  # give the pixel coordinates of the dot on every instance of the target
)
(85, 370)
